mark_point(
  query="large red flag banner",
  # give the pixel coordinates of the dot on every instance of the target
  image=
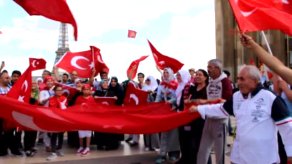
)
(141, 119)
(163, 61)
(255, 15)
(53, 9)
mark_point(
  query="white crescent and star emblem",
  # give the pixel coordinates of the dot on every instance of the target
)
(34, 63)
(21, 98)
(26, 121)
(245, 13)
(91, 65)
(24, 86)
(162, 62)
(51, 114)
(285, 1)
(135, 98)
(105, 103)
(99, 59)
(75, 59)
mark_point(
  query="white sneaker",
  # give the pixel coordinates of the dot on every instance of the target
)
(85, 152)
(52, 157)
(80, 150)
(60, 153)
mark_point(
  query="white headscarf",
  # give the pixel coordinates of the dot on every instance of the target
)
(186, 77)
(153, 84)
(171, 74)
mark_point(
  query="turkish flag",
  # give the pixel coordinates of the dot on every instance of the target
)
(37, 64)
(132, 34)
(105, 100)
(255, 15)
(132, 70)
(82, 62)
(135, 96)
(22, 88)
(100, 65)
(68, 91)
(57, 10)
(140, 119)
(163, 61)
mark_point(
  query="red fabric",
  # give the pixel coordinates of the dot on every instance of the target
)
(141, 119)
(132, 34)
(22, 88)
(55, 102)
(100, 66)
(68, 91)
(255, 15)
(135, 96)
(37, 64)
(251, 62)
(132, 70)
(270, 74)
(171, 85)
(87, 100)
(83, 62)
(163, 61)
(105, 100)
(57, 10)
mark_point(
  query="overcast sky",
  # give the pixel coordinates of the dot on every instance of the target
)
(183, 29)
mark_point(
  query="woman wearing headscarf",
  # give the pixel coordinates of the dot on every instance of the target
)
(117, 90)
(151, 141)
(190, 134)
(109, 141)
(169, 143)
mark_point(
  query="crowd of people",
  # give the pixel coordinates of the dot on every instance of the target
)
(258, 111)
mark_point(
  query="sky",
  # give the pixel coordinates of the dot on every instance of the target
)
(183, 29)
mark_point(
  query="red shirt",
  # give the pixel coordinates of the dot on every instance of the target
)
(82, 99)
(55, 102)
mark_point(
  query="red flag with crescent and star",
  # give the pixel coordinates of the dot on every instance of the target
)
(134, 95)
(105, 100)
(22, 88)
(83, 62)
(132, 70)
(57, 10)
(255, 15)
(163, 61)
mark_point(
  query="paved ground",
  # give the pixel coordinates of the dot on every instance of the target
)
(124, 155)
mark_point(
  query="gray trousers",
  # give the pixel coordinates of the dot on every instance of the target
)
(214, 133)
(169, 142)
(152, 140)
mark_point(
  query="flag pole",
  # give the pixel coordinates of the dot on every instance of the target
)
(269, 50)
(266, 41)
(92, 53)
